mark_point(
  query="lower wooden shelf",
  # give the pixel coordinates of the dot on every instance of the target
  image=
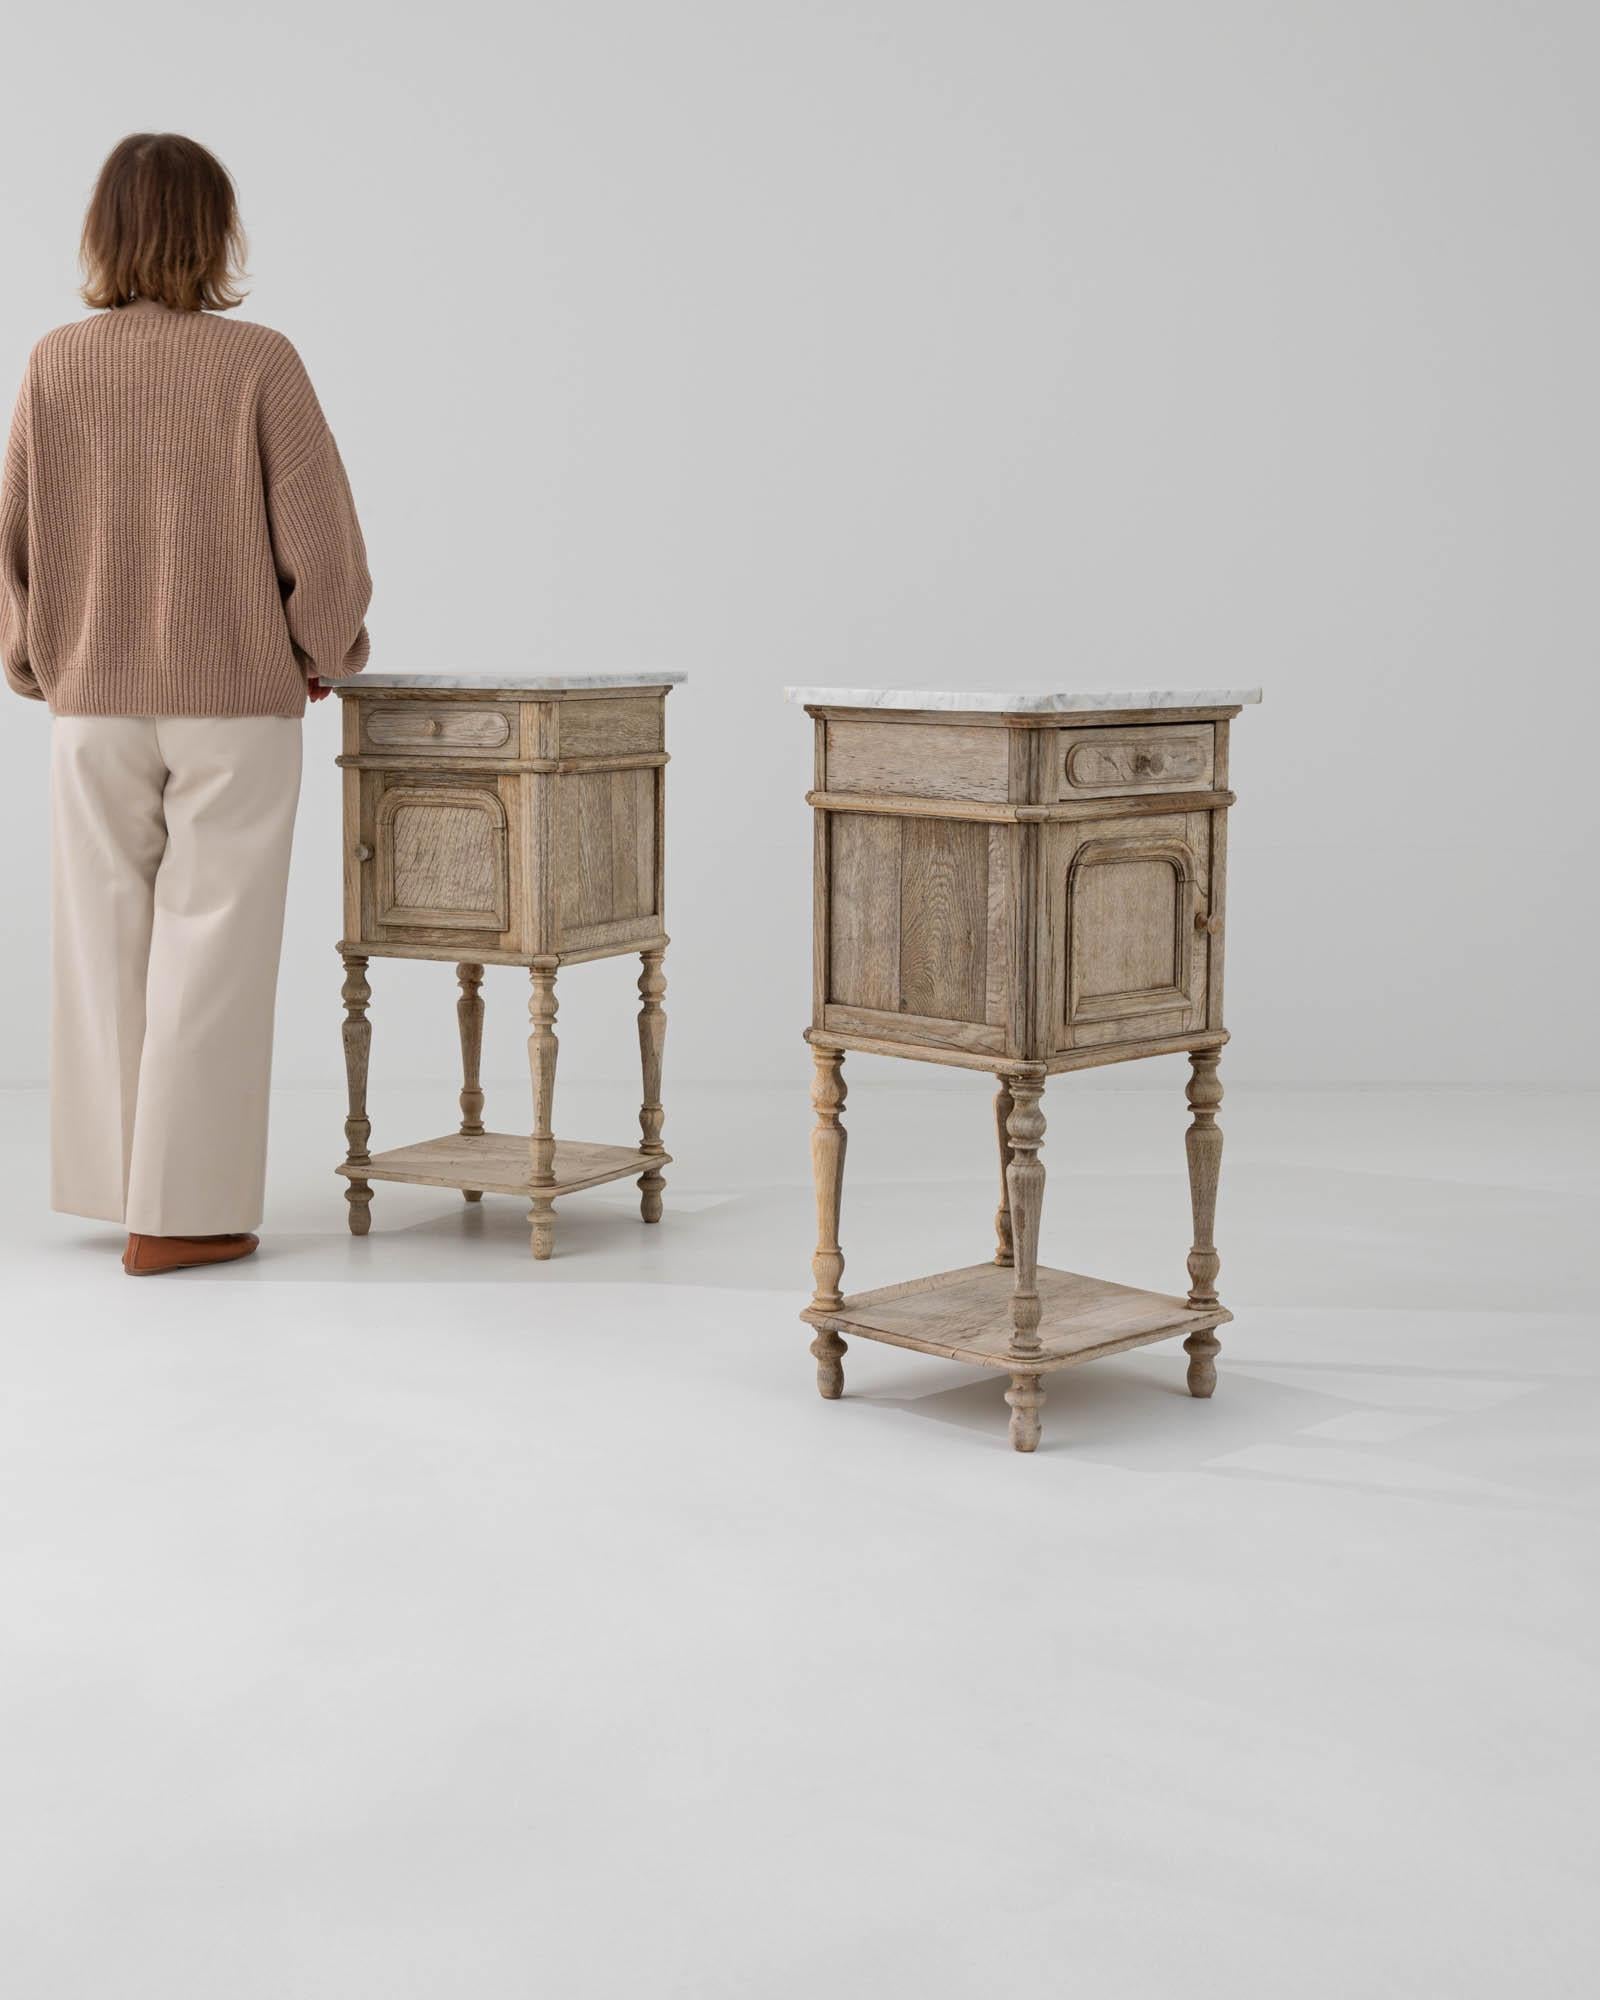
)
(965, 1315)
(499, 1163)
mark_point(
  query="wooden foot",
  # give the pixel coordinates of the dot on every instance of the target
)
(828, 1092)
(542, 1049)
(1203, 1146)
(1026, 1397)
(1002, 1215)
(1025, 1187)
(1202, 1350)
(469, 1018)
(652, 1042)
(357, 1126)
(830, 1351)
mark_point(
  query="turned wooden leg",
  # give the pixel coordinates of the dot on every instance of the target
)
(542, 1070)
(828, 1092)
(469, 1015)
(1203, 1145)
(1002, 1215)
(357, 1126)
(652, 1040)
(1025, 1187)
(1026, 1397)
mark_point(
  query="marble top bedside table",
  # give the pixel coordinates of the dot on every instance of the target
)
(504, 819)
(1024, 883)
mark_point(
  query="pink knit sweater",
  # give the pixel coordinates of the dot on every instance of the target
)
(177, 535)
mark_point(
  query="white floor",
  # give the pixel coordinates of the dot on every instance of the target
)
(397, 1618)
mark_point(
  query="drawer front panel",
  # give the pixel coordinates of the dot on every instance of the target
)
(1106, 763)
(445, 728)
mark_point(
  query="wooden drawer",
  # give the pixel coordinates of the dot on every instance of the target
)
(442, 728)
(1108, 763)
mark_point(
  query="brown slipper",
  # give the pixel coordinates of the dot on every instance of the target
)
(148, 1256)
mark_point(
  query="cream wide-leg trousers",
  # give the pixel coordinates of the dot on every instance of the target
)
(170, 867)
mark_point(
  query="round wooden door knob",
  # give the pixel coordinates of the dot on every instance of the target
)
(363, 852)
(1212, 926)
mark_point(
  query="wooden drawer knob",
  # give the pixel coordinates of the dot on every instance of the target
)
(1149, 763)
(363, 852)
(1212, 926)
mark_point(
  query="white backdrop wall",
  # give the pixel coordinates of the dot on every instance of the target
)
(910, 340)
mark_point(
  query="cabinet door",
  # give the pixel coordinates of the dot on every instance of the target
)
(1128, 900)
(439, 855)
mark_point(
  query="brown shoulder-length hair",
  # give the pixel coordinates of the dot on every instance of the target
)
(163, 224)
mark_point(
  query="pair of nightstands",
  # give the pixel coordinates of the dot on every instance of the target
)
(1026, 884)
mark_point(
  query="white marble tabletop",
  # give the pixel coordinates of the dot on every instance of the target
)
(1034, 701)
(550, 683)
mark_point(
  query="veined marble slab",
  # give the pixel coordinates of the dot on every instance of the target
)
(1036, 701)
(551, 683)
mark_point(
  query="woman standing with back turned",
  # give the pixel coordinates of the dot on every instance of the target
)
(179, 561)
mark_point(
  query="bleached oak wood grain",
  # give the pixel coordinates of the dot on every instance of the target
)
(894, 757)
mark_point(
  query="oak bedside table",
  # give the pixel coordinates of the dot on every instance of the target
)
(514, 820)
(1025, 884)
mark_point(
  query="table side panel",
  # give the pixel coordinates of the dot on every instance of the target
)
(605, 856)
(916, 936)
(350, 782)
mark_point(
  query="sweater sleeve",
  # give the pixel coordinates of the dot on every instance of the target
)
(322, 565)
(14, 557)
(316, 539)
